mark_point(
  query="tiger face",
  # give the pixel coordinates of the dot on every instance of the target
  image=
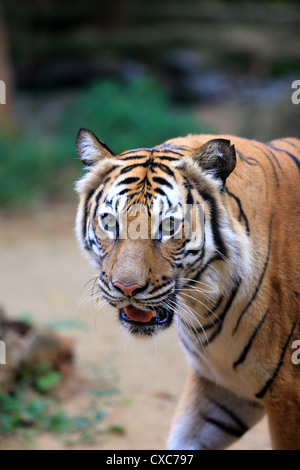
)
(152, 221)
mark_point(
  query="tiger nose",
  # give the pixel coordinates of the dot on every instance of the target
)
(129, 291)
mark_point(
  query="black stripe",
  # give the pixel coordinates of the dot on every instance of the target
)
(295, 159)
(230, 413)
(181, 247)
(189, 199)
(166, 157)
(128, 168)
(163, 168)
(207, 327)
(114, 167)
(192, 252)
(212, 311)
(248, 345)
(272, 163)
(160, 286)
(275, 158)
(107, 180)
(129, 180)
(288, 142)
(134, 157)
(144, 183)
(214, 222)
(108, 295)
(242, 213)
(188, 186)
(168, 151)
(142, 149)
(213, 258)
(294, 138)
(209, 313)
(162, 181)
(105, 283)
(131, 196)
(224, 313)
(253, 162)
(98, 196)
(86, 204)
(163, 294)
(124, 191)
(271, 379)
(162, 193)
(201, 257)
(216, 306)
(258, 284)
(223, 426)
(247, 160)
(171, 262)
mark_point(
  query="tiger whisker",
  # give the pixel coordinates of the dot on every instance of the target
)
(184, 321)
(197, 300)
(192, 280)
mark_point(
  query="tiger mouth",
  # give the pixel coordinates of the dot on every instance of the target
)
(145, 321)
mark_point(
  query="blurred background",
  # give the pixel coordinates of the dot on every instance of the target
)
(136, 73)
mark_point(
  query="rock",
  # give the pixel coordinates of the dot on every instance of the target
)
(28, 345)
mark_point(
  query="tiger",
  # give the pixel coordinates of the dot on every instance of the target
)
(226, 273)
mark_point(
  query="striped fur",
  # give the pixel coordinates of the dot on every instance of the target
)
(235, 300)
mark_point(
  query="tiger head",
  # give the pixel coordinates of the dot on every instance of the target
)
(152, 221)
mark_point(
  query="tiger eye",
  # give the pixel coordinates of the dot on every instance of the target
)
(109, 221)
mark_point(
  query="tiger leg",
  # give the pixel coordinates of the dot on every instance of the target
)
(283, 409)
(210, 417)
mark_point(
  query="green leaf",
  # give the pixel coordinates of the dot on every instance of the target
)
(116, 430)
(48, 381)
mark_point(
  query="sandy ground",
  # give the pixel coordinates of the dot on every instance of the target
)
(42, 275)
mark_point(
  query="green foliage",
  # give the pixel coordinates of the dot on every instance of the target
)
(18, 411)
(119, 430)
(23, 408)
(40, 167)
(41, 377)
(32, 407)
(32, 171)
(48, 381)
(129, 115)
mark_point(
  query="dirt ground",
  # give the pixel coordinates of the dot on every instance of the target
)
(42, 275)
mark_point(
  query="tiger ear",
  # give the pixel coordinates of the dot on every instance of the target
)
(90, 149)
(217, 156)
